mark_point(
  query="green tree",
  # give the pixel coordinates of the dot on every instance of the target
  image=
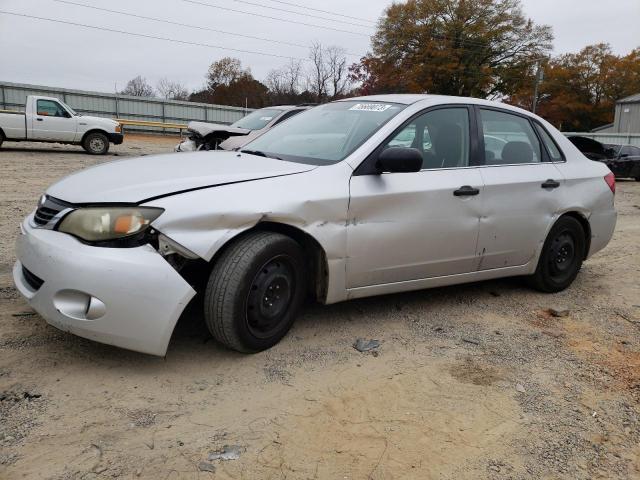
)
(477, 48)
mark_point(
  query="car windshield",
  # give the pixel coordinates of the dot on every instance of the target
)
(257, 120)
(326, 134)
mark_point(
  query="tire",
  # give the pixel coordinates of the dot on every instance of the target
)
(561, 258)
(1, 139)
(637, 178)
(96, 143)
(255, 291)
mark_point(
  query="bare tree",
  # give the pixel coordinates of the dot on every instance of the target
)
(336, 60)
(138, 87)
(318, 75)
(172, 90)
(328, 76)
(285, 80)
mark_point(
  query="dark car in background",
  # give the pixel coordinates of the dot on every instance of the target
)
(622, 160)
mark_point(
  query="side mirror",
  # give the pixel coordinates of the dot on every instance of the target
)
(624, 155)
(399, 160)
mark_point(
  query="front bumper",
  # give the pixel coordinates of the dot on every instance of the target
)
(127, 297)
(116, 138)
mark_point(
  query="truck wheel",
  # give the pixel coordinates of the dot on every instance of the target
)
(96, 143)
(255, 291)
(561, 257)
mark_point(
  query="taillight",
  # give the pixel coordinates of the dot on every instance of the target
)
(610, 178)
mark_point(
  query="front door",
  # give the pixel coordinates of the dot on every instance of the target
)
(522, 189)
(411, 226)
(52, 122)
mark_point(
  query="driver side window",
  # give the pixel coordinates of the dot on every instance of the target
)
(441, 136)
(49, 108)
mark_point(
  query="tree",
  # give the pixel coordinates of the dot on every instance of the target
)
(225, 71)
(285, 85)
(580, 90)
(138, 87)
(327, 76)
(171, 90)
(456, 47)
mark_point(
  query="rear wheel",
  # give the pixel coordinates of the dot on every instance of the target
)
(561, 257)
(255, 291)
(96, 143)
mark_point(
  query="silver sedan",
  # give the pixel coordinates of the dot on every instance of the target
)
(360, 197)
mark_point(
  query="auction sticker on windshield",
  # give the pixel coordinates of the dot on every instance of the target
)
(370, 107)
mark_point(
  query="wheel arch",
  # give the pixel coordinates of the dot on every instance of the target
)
(315, 254)
(586, 226)
(94, 130)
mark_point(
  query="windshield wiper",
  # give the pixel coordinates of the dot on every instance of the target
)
(259, 153)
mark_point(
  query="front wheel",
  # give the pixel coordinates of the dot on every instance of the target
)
(255, 291)
(96, 143)
(561, 257)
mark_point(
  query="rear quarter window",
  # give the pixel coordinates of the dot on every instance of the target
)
(554, 151)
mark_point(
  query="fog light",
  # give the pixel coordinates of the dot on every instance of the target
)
(79, 305)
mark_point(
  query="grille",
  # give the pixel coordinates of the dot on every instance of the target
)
(49, 209)
(33, 280)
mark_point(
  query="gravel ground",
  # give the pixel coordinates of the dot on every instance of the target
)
(474, 381)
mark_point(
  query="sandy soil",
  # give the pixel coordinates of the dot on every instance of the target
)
(470, 382)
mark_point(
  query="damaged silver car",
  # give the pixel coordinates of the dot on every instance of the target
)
(216, 136)
(358, 197)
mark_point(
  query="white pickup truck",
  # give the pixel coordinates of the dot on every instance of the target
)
(47, 119)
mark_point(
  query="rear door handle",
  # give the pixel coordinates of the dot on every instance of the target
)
(39, 119)
(466, 191)
(550, 184)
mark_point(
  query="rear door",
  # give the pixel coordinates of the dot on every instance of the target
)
(52, 122)
(522, 188)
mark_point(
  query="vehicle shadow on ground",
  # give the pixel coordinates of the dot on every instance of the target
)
(192, 343)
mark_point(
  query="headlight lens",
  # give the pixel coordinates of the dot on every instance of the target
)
(108, 223)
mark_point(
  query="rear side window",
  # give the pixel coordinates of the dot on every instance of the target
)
(552, 148)
(509, 139)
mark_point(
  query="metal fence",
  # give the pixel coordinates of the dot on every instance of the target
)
(13, 97)
(612, 138)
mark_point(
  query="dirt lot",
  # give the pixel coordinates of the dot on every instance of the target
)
(470, 382)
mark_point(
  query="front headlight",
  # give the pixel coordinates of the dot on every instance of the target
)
(99, 224)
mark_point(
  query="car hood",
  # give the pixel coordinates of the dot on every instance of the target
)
(145, 178)
(217, 130)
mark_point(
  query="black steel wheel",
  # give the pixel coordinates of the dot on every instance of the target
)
(561, 257)
(255, 290)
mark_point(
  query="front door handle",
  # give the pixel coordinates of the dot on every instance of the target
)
(39, 119)
(466, 191)
(551, 183)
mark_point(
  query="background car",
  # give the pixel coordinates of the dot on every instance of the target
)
(622, 160)
(214, 136)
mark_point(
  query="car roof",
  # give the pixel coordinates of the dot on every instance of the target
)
(428, 100)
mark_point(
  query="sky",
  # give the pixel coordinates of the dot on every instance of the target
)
(63, 55)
